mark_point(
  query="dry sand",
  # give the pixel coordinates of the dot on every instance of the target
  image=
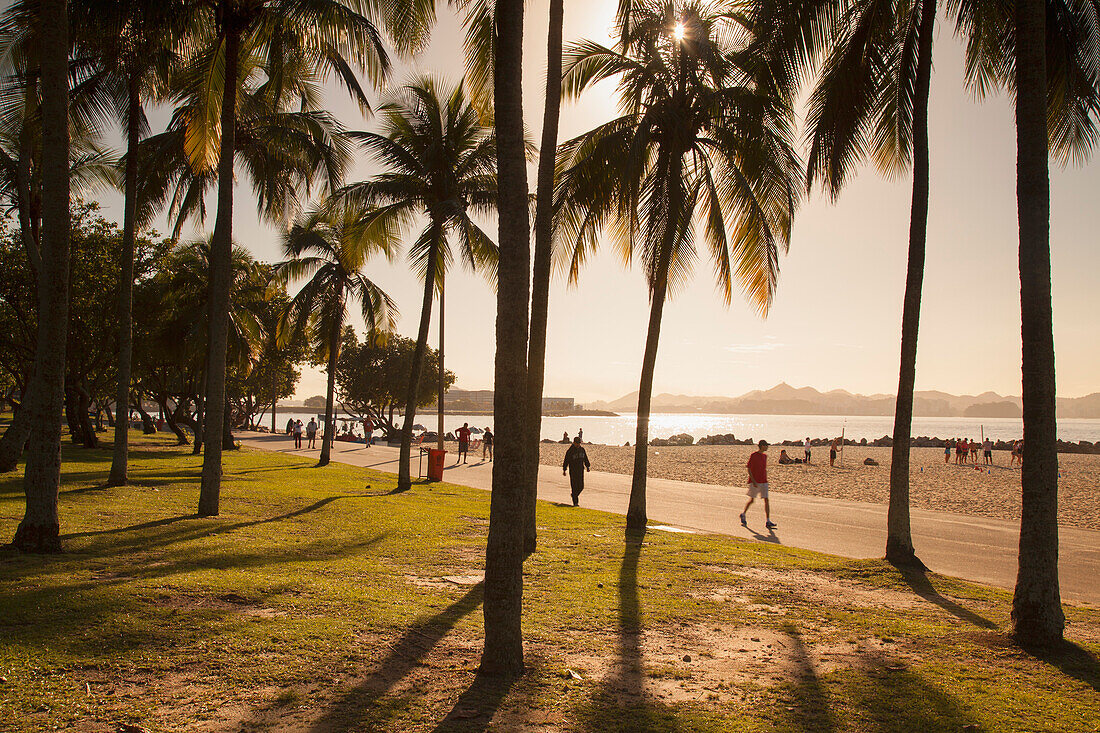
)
(993, 493)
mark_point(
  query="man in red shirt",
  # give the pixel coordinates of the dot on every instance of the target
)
(463, 434)
(758, 484)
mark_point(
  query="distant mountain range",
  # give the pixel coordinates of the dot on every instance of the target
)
(783, 399)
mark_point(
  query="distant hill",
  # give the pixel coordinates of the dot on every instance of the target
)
(783, 399)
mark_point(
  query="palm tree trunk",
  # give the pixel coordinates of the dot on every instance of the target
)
(503, 606)
(439, 398)
(1037, 616)
(540, 285)
(221, 255)
(899, 539)
(119, 458)
(40, 529)
(274, 399)
(404, 481)
(330, 388)
(636, 517)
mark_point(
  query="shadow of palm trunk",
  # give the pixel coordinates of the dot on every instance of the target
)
(922, 586)
(406, 653)
(476, 707)
(811, 710)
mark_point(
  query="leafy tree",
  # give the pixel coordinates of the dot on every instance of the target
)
(703, 153)
(331, 246)
(372, 377)
(439, 156)
(316, 401)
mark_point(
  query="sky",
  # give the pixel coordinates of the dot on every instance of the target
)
(836, 319)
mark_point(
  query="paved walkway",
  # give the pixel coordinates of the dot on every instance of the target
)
(974, 548)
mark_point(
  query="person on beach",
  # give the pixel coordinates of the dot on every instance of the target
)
(806, 450)
(368, 430)
(487, 444)
(297, 430)
(580, 434)
(947, 451)
(576, 463)
(987, 452)
(959, 449)
(1017, 455)
(311, 433)
(290, 426)
(974, 452)
(463, 434)
(834, 448)
(758, 484)
(565, 437)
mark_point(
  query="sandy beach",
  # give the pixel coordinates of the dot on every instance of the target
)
(991, 493)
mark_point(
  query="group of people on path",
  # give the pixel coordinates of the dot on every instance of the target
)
(463, 434)
(296, 429)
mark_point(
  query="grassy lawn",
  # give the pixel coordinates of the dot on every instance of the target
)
(320, 601)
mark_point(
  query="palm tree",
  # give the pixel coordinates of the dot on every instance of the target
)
(872, 99)
(133, 43)
(703, 149)
(325, 37)
(503, 651)
(331, 246)
(440, 155)
(39, 531)
(540, 280)
(1049, 60)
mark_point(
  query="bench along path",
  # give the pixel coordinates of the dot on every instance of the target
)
(975, 548)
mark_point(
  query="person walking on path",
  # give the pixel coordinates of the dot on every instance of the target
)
(758, 484)
(487, 444)
(576, 463)
(290, 426)
(463, 434)
(806, 450)
(311, 433)
(297, 430)
(368, 430)
(834, 448)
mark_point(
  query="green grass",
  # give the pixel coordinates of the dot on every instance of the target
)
(322, 601)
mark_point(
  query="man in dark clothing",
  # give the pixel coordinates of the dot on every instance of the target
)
(576, 463)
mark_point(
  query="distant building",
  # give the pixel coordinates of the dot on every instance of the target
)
(482, 399)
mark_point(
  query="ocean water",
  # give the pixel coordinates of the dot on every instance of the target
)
(773, 428)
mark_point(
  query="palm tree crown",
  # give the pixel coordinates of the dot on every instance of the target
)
(689, 106)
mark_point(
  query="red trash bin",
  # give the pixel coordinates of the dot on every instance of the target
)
(435, 464)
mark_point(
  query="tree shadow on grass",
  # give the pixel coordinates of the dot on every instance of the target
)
(621, 704)
(476, 707)
(890, 698)
(1073, 660)
(405, 654)
(922, 586)
(811, 711)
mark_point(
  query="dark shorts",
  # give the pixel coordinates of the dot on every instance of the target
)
(832, 453)
(463, 446)
(989, 454)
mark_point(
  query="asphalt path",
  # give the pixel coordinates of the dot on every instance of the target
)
(974, 548)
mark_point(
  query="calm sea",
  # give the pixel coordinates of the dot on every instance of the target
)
(773, 428)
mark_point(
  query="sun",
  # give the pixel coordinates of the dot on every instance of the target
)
(678, 32)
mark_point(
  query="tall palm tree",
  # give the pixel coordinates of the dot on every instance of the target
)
(331, 246)
(133, 44)
(439, 154)
(39, 531)
(540, 278)
(703, 150)
(871, 99)
(327, 37)
(503, 606)
(1049, 60)
(21, 173)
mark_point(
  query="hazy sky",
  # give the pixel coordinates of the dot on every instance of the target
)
(836, 318)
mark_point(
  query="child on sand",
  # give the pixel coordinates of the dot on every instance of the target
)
(758, 484)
